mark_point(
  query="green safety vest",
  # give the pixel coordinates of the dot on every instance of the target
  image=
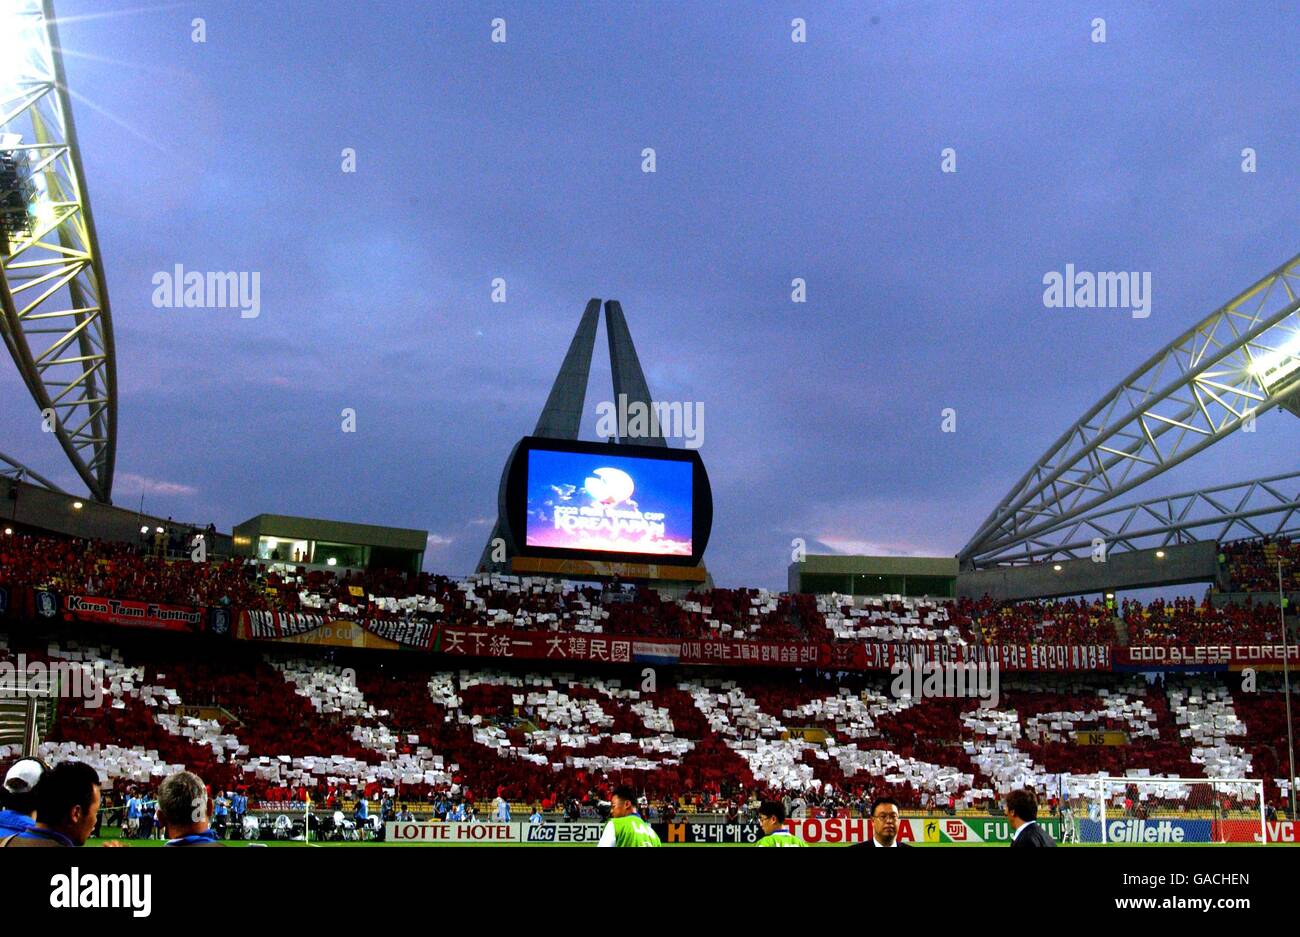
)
(633, 831)
(781, 838)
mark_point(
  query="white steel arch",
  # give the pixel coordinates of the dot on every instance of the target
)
(1260, 507)
(1238, 362)
(54, 310)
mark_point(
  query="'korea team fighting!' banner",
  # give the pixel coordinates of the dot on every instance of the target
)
(131, 613)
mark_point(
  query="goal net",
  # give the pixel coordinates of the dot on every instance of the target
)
(1161, 811)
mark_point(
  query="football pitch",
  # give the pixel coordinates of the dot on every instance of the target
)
(336, 844)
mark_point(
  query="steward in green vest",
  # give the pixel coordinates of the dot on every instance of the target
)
(771, 817)
(625, 828)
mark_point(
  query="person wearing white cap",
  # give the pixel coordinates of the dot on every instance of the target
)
(18, 796)
(67, 800)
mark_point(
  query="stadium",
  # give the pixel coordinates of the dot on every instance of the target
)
(1112, 645)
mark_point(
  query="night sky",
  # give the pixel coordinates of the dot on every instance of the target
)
(775, 160)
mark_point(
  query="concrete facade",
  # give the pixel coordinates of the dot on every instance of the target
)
(1184, 563)
(874, 575)
(38, 507)
(408, 542)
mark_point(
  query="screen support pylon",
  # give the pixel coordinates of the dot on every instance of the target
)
(561, 417)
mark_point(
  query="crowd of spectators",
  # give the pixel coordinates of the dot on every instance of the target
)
(138, 571)
(1186, 621)
(1253, 565)
(116, 570)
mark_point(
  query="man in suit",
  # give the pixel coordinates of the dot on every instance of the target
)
(1022, 813)
(885, 817)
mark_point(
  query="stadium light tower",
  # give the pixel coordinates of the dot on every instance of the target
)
(54, 311)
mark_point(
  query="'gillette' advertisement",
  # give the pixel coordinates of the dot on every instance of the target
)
(620, 502)
(605, 503)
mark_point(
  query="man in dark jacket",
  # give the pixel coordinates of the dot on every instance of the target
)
(1022, 813)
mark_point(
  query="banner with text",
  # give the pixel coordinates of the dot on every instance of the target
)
(131, 613)
(556, 834)
(1007, 657)
(763, 653)
(398, 832)
(670, 833)
(313, 630)
(1204, 657)
(532, 645)
(956, 830)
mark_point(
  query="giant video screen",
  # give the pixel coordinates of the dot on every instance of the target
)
(605, 503)
(634, 503)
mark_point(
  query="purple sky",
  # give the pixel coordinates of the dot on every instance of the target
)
(775, 160)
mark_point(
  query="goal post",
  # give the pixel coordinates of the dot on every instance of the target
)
(1164, 810)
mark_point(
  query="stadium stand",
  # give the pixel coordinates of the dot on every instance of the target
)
(297, 726)
(284, 724)
(1252, 565)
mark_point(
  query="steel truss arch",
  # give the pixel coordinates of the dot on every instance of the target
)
(1221, 513)
(54, 309)
(13, 469)
(1239, 361)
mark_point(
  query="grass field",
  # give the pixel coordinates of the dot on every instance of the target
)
(280, 844)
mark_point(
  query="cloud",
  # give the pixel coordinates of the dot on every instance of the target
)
(438, 540)
(130, 483)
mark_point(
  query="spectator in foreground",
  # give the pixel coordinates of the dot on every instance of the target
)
(184, 808)
(1022, 813)
(18, 796)
(67, 800)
